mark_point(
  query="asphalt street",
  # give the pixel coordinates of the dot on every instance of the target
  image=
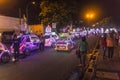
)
(47, 65)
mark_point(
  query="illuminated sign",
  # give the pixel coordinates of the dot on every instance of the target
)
(48, 29)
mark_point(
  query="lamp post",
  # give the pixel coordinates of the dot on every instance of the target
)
(27, 17)
(89, 16)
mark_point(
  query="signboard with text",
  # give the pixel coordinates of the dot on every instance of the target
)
(53, 25)
(48, 29)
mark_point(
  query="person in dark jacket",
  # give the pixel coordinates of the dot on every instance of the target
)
(103, 45)
(16, 45)
(42, 43)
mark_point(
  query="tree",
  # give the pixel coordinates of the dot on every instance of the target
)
(62, 12)
(106, 22)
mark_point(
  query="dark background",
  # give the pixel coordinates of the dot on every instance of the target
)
(108, 8)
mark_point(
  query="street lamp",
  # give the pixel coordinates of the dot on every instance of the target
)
(27, 17)
(89, 17)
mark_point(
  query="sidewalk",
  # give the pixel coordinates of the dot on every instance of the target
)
(108, 70)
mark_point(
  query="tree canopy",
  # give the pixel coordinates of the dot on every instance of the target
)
(62, 12)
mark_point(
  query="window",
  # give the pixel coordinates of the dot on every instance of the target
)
(28, 39)
(47, 36)
(34, 38)
(22, 39)
(54, 36)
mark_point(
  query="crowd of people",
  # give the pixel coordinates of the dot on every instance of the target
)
(108, 43)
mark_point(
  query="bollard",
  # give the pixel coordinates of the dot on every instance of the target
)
(90, 72)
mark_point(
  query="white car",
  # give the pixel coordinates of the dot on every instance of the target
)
(5, 54)
(52, 34)
(28, 43)
(49, 40)
(64, 44)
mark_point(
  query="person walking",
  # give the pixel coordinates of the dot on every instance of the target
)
(83, 50)
(16, 45)
(110, 45)
(103, 45)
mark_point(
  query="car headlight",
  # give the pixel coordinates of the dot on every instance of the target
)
(68, 43)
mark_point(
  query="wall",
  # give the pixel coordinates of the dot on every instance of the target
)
(9, 23)
(37, 29)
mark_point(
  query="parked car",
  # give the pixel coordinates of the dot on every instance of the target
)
(28, 43)
(64, 44)
(53, 34)
(5, 54)
(49, 40)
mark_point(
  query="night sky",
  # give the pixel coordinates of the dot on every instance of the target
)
(106, 7)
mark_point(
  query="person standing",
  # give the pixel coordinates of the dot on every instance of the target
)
(42, 42)
(116, 39)
(83, 50)
(119, 45)
(78, 52)
(103, 44)
(16, 45)
(110, 45)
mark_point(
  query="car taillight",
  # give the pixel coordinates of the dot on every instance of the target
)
(21, 48)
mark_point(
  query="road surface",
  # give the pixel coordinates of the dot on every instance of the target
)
(47, 65)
